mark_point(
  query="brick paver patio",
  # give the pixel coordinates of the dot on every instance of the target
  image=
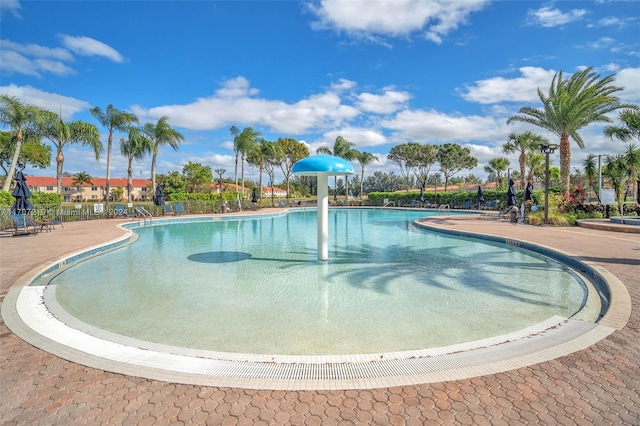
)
(599, 385)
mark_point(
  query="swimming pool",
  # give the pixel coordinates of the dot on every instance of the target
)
(254, 285)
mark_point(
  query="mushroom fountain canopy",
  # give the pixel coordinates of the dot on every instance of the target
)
(323, 166)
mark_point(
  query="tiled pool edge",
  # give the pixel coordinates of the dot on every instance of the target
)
(307, 382)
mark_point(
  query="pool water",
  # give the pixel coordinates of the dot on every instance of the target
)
(254, 285)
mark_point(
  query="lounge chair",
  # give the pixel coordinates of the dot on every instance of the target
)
(178, 208)
(23, 224)
(467, 204)
(168, 211)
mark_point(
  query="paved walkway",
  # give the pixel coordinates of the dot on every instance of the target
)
(598, 385)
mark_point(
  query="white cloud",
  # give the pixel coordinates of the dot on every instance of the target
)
(433, 126)
(519, 89)
(386, 103)
(552, 17)
(360, 136)
(400, 18)
(233, 104)
(33, 59)
(13, 62)
(36, 50)
(51, 101)
(87, 46)
(629, 78)
(11, 6)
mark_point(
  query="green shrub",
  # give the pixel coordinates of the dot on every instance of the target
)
(6, 199)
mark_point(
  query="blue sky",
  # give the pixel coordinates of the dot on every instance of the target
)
(378, 73)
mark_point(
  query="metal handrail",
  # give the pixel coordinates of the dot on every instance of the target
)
(627, 202)
(143, 214)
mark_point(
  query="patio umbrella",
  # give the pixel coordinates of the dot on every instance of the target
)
(335, 195)
(158, 198)
(254, 195)
(480, 196)
(422, 195)
(511, 194)
(528, 192)
(21, 193)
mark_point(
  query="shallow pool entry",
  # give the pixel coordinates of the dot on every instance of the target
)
(254, 285)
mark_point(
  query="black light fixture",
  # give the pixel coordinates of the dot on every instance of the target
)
(547, 149)
(220, 172)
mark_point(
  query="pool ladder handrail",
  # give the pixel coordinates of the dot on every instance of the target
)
(143, 214)
(388, 203)
(444, 208)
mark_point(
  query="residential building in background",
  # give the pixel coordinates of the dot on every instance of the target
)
(96, 191)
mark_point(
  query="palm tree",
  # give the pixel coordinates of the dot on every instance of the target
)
(522, 143)
(113, 120)
(536, 164)
(497, 166)
(571, 105)
(161, 134)
(364, 158)
(235, 132)
(260, 156)
(616, 170)
(630, 128)
(21, 119)
(52, 127)
(81, 178)
(591, 173)
(629, 131)
(135, 146)
(245, 143)
(341, 148)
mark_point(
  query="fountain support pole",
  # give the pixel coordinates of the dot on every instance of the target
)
(323, 216)
(323, 166)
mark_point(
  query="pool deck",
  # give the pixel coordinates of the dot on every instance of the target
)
(597, 385)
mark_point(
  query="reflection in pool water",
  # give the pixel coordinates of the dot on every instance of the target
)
(254, 285)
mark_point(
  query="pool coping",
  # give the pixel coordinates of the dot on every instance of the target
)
(554, 338)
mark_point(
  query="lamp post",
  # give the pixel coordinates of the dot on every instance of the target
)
(220, 172)
(547, 149)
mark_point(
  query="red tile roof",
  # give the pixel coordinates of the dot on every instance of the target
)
(37, 181)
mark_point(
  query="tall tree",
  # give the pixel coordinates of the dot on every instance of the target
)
(21, 119)
(113, 120)
(52, 127)
(81, 178)
(342, 148)
(631, 157)
(571, 105)
(260, 156)
(454, 158)
(33, 152)
(615, 168)
(498, 166)
(235, 132)
(591, 173)
(425, 158)
(161, 134)
(135, 147)
(196, 175)
(522, 143)
(245, 143)
(272, 158)
(364, 158)
(628, 131)
(405, 155)
(292, 151)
